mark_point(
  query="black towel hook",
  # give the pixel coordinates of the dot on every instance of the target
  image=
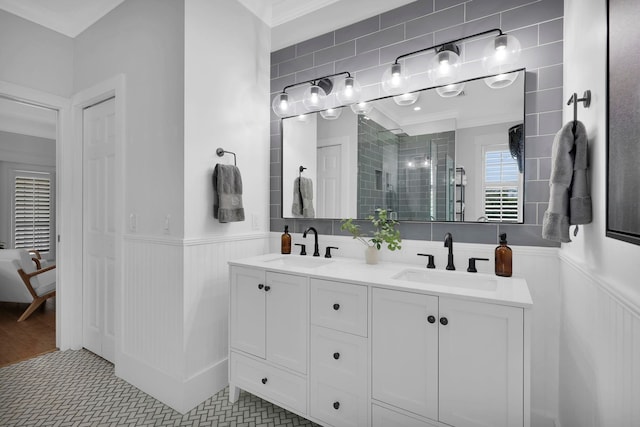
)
(586, 101)
(221, 152)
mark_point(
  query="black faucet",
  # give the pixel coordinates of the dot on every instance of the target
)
(448, 243)
(316, 250)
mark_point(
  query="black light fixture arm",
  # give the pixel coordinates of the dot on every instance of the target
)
(452, 42)
(314, 81)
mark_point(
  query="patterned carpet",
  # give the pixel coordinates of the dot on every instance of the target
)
(78, 388)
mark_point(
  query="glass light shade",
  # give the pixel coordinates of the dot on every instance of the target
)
(362, 107)
(395, 79)
(501, 80)
(331, 113)
(349, 91)
(501, 54)
(314, 98)
(450, 90)
(444, 67)
(406, 99)
(283, 105)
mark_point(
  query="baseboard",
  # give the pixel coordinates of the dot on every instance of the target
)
(541, 419)
(180, 395)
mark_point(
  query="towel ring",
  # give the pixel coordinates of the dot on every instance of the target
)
(221, 152)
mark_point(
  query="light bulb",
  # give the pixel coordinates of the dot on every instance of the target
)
(348, 91)
(314, 98)
(444, 67)
(395, 79)
(283, 105)
(501, 54)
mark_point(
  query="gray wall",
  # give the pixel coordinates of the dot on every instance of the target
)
(364, 49)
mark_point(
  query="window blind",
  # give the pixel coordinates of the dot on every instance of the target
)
(32, 211)
(500, 186)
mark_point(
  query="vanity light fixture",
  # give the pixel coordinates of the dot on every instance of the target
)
(500, 56)
(315, 96)
(349, 91)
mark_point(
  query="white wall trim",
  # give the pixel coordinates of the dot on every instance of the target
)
(115, 86)
(616, 294)
(64, 338)
(177, 241)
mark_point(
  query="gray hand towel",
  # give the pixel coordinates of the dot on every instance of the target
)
(569, 200)
(227, 193)
(303, 208)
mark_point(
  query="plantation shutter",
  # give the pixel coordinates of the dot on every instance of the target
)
(32, 211)
(501, 186)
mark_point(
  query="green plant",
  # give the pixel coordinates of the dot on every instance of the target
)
(384, 231)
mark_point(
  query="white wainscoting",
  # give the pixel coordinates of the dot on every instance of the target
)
(174, 343)
(599, 352)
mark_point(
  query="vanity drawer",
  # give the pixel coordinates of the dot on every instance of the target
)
(339, 359)
(339, 306)
(383, 417)
(268, 382)
(338, 407)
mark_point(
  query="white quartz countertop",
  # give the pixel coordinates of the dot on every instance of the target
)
(511, 291)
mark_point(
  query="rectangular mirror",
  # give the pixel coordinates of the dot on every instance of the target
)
(457, 158)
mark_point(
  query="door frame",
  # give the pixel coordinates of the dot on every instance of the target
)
(64, 201)
(110, 88)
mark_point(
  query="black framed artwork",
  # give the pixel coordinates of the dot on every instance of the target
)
(623, 120)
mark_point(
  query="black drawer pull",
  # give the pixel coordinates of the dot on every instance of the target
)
(444, 321)
(266, 288)
(336, 355)
(336, 405)
(336, 307)
(431, 319)
(264, 380)
(260, 286)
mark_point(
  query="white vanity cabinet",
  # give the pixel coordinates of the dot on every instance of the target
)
(456, 361)
(269, 321)
(345, 344)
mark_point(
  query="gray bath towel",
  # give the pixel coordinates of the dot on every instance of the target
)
(302, 206)
(569, 199)
(227, 193)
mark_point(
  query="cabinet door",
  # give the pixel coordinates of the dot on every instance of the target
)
(405, 351)
(247, 310)
(481, 364)
(287, 320)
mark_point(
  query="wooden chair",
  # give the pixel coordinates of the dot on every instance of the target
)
(23, 279)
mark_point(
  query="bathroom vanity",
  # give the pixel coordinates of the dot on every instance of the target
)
(344, 343)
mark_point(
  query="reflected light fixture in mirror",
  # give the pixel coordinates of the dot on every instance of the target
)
(349, 91)
(362, 107)
(395, 79)
(449, 91)
(331, 113)
(406, 99)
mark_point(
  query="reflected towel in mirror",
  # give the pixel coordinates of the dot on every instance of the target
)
(302, 206)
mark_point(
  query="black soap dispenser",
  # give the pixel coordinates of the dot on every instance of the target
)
(503, 257)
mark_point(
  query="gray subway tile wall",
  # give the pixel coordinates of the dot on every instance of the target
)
(367, 47)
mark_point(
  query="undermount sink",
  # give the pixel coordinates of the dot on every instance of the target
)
(299, 261)
(476, 281)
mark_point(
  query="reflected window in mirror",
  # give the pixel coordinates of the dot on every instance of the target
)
(433, 159)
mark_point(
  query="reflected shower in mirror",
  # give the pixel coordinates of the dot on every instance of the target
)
(421, 156)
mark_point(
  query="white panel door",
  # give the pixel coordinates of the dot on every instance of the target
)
(287, 320)
(481, 370)
(99, 229)
(404, 354)
(247, 311)
(329, 182)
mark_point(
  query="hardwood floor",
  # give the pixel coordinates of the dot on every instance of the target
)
(29, 338)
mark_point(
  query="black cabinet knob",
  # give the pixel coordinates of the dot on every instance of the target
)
(336, 405)
(444, 321)
(431, 319)
(336, 355)
(336, 307)
(267, 288)
(264, 380)
(260, 286)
